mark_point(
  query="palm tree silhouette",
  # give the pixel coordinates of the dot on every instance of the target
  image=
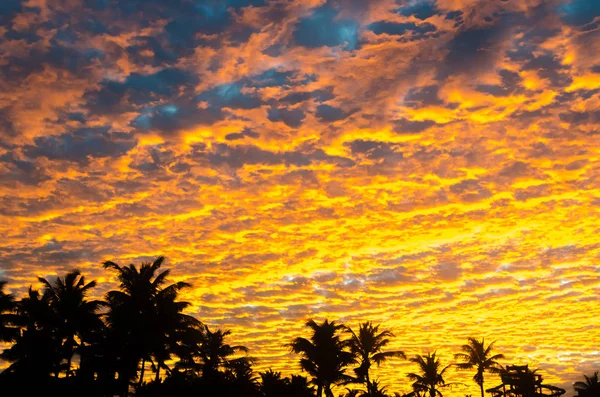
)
(431, 374)
(476, 355)
(272, 384)
(299, 387)
(76, 317)
(589, 388)
(367, 346)
(324, 356)
(214, 353)
(143, 318)
(35, 351)
(172, 325)
(8, 332)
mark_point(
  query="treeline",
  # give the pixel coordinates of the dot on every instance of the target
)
(61, 342)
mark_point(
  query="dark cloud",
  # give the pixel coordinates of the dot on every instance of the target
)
(272, 78)
(331, 114)
(80, 144)
(423, 96)
(291, 117)
(323, 28)
(170, 118)
(8, 10)
(579, 12)
(229, 96)
(373, 149)
(238, 156)
(470, 190)
(398, 29)
(77, 61)
(149, 51)
(447, 271)
(514, 170)
(510, 84)
(15, 170)
(472, 50)
(301, 96)
(420, 9)
(405, 126)
(247, 132)
(138, 89)
(577, 118)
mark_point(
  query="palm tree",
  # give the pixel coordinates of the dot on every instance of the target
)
(476, 355)
(589, 388)
(324, 356)
(77, 317)
(143, 317)
(431, 374)
(8, 332)
(299, 387)
(367, 346)
(171, 326)
(35, 351)
(214, 353)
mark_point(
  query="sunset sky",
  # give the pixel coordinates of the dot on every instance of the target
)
(433, 165)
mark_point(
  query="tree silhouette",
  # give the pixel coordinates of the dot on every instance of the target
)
(367, 346)
(299, 387)
(172, 325)
(144, 318)
(479, 357)
(589, 388)
(8, 332)
(431, 375)
(76, 317)
(324, 356)
(214, 353)
(35, 352)
(273, 385)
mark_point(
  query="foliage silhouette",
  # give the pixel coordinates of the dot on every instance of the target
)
(589, 388)
(475, 355)
(8, 332)
(144, 319)
(76, 316)
(367, 345)
(431, 375)
(325, 355)
(274, 385)
(62, 343)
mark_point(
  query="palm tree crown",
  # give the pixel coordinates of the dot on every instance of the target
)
(145, 319)
(475, 355)
(76, 316)
(589, 388)
(431, 374)
(215, 353)
(367, 346)
(325, 355)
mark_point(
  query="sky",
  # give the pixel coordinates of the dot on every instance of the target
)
(431, 165)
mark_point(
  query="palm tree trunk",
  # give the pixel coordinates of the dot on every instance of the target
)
(157, 379)
(142, 371)
(481, 386)
(328, 392)
(69, 365)
(319, 391)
